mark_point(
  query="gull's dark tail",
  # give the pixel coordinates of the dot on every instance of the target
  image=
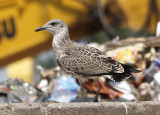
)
(128, 70)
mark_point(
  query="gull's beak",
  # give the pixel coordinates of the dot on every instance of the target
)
(40, 28)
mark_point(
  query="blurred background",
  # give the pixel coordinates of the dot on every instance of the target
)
(123, 29)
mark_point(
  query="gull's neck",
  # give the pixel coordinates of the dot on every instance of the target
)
(59, 39)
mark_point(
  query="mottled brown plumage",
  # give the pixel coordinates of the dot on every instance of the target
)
(87, 61)
(83, 61)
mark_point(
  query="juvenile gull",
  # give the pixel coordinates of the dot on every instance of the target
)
(83, 61)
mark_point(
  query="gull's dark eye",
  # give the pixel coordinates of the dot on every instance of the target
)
(53, 23)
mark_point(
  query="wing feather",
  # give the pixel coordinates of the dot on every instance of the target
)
(90, 65)
(88, 61)
(82, 50)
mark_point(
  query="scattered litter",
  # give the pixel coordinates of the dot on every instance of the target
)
(17, 91)
(65, 89)
(57, 86)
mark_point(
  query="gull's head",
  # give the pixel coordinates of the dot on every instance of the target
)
(54, 26)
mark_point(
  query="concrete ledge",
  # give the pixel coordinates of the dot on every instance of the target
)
(105, 108)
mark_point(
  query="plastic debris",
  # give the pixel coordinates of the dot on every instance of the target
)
(65, 89)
